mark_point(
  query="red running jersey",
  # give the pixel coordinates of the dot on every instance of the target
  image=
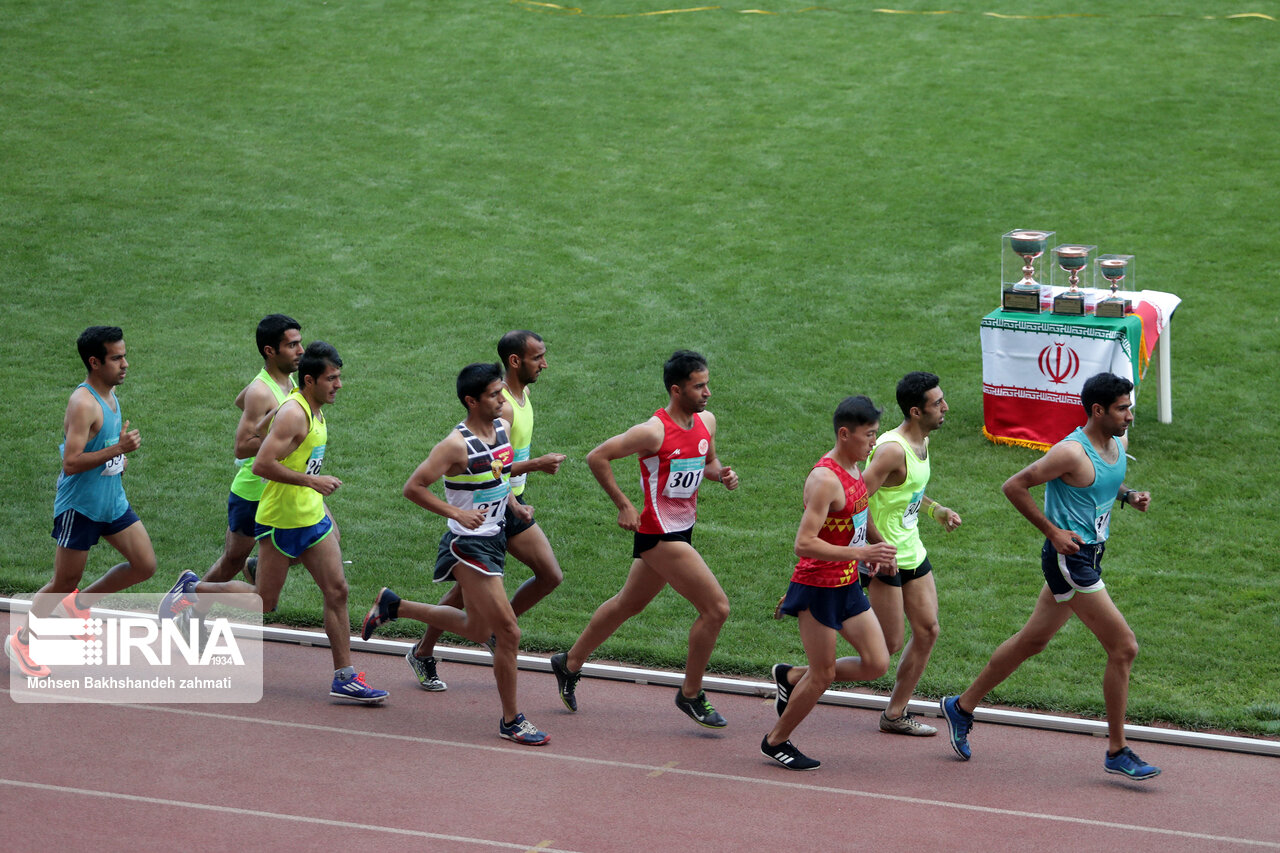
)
(672, 476)
(847, 526)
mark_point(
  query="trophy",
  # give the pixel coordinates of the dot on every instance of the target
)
(1070, 259)
(1111, 270)
(1022, 251)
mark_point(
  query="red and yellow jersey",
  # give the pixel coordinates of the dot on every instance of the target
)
(846, 526)
(672, 475)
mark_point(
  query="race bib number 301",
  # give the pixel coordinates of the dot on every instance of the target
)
(685, 477)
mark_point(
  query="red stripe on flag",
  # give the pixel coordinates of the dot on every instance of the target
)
(1030, 420)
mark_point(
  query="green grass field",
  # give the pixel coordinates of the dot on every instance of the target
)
(811, 197)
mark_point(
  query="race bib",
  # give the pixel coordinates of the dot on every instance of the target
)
(492, 501)
(316, 460)
(859, 529)
(911, 515)
(1102, 522)
(114, 466)
(685, 477)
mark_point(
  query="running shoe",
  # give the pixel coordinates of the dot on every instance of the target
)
(425, 670)
(251, 570)
(780, 671)
(958, 724)
(356, 688)
(788, 756)
(566, 681)
(380, 613)
(523, 731)
(905, 725)
(492, 644)
(1127, 763)
(20, 653)
(68, 609)
(700, 710)
(180, 596)
(184, 620)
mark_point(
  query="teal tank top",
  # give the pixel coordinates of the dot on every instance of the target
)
(97, 493)
(1087, 511)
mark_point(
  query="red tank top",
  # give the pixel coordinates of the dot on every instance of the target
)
(671, 476)
(847, 526)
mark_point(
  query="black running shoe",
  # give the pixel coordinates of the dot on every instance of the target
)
(780, 671)
(788, 756)
(380, 613)
(700, 710)
(566, 681)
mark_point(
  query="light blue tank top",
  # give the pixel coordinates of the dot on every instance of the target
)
(97, 493)
(1086, 511)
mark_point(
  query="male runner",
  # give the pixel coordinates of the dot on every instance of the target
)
(835, 533)
(1084, 477)
(279, 339)
(475, 460)
(292, 515)
(896, 477)
(90, 503)
(524, 356)
(676, 448)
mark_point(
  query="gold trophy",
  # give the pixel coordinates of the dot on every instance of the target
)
(1111, 270)
(1026, 247)
(1071, 259)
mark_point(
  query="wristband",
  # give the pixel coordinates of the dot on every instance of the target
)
(933, 507)
(1124, 499)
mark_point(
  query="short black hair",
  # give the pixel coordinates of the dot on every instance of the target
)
(682, 364)
(93, 341)
(475, 377)
(855, 412)
(912, 389)
(271, 329)
(317, 355)
(1103, 389)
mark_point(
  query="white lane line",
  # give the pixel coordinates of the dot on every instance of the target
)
(315, 821)
(662, 770)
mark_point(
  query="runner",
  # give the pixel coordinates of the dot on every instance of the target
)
(1084, 477)
(896, 477)
(835, 533)
(676, 448)
(524, 357)
(475, 462)
(90, 503)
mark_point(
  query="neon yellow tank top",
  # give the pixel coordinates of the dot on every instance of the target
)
(521, 433)
(287, 506)
(896, 510)
(247, 484)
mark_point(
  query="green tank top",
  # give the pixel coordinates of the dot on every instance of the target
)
(247, 484)
(896, 509)
(521, 433)
(287, 506)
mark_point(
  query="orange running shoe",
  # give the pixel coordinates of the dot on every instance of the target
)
(20, 653)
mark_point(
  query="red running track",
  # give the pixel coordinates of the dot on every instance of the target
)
(427, 771)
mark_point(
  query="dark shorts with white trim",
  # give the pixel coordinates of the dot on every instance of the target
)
(485, 554)
(1068, 574)
(76, 531)
(830, 605)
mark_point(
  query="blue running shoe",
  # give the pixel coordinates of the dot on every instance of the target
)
(180, 596)
(383, 611)
(1127, 763)
(783, 696)
(522, 731)
(355, 688)
(958, 724)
